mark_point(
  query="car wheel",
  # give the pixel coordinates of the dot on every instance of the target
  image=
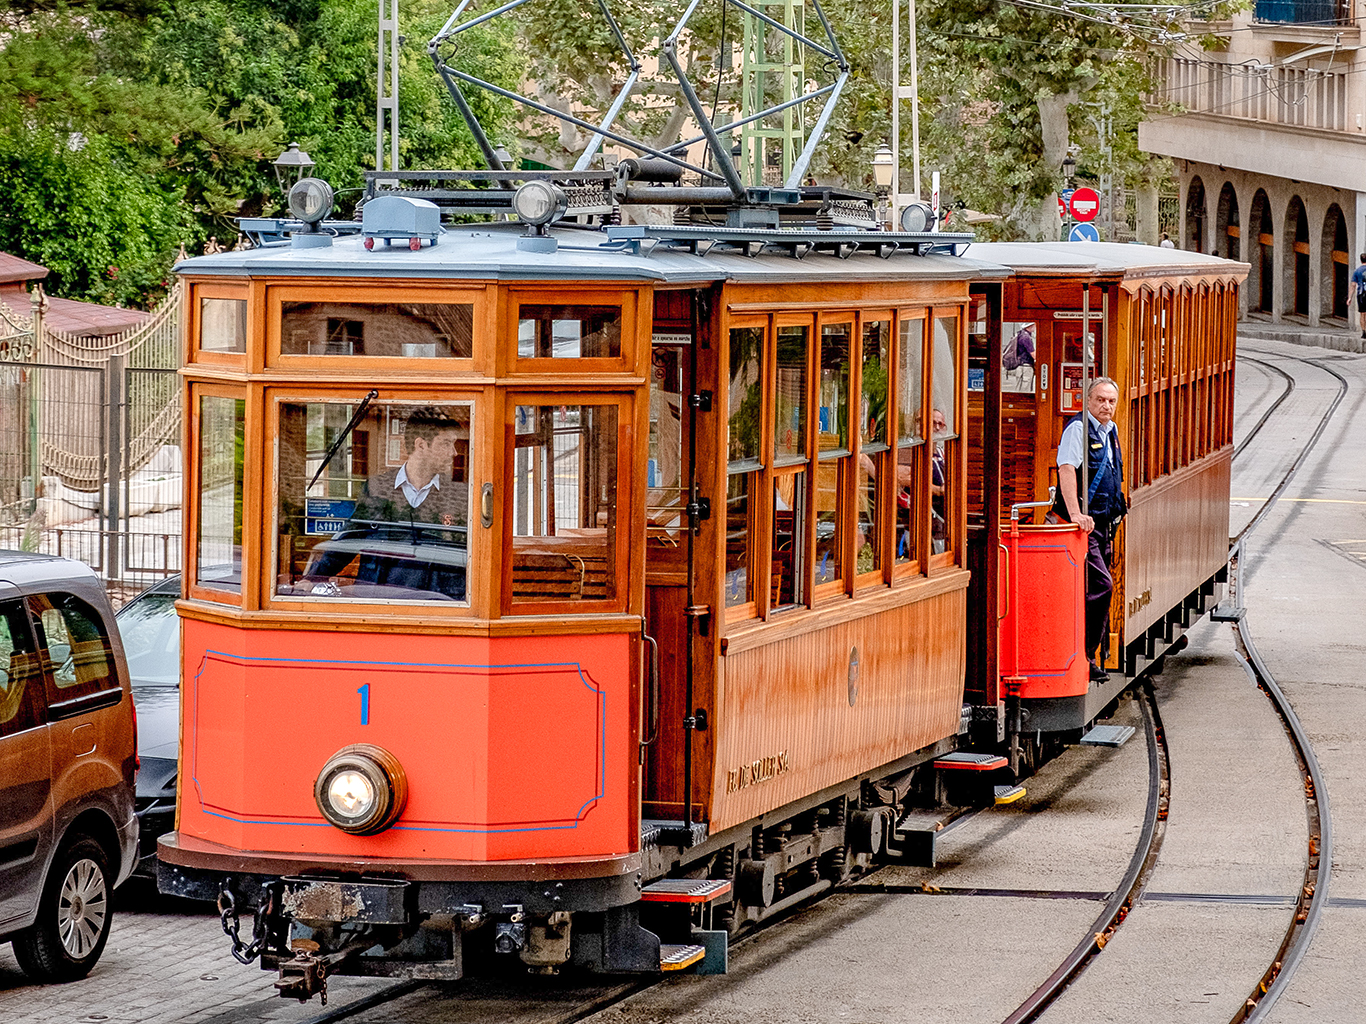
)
(74, 916)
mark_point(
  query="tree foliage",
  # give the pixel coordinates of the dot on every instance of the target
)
(128, 130)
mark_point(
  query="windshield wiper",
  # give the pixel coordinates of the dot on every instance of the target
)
(355, 421)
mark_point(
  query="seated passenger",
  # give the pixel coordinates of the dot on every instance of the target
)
(408, 530)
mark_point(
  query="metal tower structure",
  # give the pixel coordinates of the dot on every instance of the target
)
(773, 75)
(386, 86)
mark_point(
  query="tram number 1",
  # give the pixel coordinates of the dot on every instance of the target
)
(364, 692)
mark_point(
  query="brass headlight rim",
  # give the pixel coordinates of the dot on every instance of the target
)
(386, 775)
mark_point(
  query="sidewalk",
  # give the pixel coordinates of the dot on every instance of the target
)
(1344, 339)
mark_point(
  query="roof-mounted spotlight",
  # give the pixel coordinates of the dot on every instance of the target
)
(917, 217)
(538, 204)
(311, 201)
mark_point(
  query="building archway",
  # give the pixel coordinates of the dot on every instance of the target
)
(1334, 264)
(1261, 254)
(1195, 216)
(1295, 258)
(1226, 224)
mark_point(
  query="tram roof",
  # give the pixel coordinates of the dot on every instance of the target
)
(1102, 259)
(489, 252)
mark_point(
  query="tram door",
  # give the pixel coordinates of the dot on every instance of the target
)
(668, 473)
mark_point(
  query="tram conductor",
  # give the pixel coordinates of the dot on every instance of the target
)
(1097, 447)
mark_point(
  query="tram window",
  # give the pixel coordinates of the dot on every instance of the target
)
(873, 390)
(411, 330)
(739, 530)
(222, 325)
(943, 432)
(374, 508)
(872, 444)
(222, 423)
(909, 436)
(787, 567)
(789, 396)
(569, 332)
(832, 439)
(909, 373)
(564, 508)
(664, 466)
(746, 393)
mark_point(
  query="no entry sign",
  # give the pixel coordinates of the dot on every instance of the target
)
(1084, 204)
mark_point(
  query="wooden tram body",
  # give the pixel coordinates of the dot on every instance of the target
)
(769, 478)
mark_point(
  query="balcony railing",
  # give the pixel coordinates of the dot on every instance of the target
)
(1302, 97)
(1304, 12)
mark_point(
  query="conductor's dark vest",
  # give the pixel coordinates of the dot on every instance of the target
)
(1104, 482)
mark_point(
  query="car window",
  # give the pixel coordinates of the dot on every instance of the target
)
(77, 646)
(21, 697)
(150, 630)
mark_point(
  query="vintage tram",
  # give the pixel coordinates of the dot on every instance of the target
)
(558, 593)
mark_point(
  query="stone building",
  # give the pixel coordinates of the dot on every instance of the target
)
(1266, 130)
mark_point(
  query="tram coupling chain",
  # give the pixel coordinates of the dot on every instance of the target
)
(245, 952)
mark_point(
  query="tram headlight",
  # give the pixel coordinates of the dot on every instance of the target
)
(362, 789)
(917, 217)
(539, 202)
(311, 200)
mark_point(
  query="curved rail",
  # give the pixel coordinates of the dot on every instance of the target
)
(1314, 892)
(1261, 422)
(1135, 877)
(1304, 452)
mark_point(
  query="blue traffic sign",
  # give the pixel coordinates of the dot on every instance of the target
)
(1084, 233)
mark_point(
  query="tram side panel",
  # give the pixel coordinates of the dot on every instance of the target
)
(1175, 538)
(513, 748)
(803, 712)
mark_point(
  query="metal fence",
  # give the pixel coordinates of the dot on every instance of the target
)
(90, 459)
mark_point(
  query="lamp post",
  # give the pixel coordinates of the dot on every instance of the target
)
(884, 167)
(291, 167)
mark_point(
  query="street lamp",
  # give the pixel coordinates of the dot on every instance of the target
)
(291, 167)
(1069, 169)
(883, 163)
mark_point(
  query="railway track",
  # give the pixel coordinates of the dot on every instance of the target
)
(1147, 849)
(1314, 891)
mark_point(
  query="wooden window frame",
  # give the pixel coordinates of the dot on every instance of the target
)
(375, 294)
(804, 589)
(251, 509)
(636, 316)
(628, 440)
(758, 471)
(884, 493)
(841, 585)
(919, 543)
(479, 550)
(208, 357)
(955, 454)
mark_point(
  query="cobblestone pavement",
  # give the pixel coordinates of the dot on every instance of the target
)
(167, 962)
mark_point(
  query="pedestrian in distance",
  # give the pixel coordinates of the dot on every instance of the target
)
(1166, 242)
(1097, 444)
(1359, 279)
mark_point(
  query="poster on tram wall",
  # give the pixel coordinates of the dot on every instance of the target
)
(1069, 387)
(1018, 340)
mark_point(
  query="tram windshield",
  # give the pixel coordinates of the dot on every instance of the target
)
(373, 501)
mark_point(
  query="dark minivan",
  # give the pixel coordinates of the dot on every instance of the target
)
(68, 833)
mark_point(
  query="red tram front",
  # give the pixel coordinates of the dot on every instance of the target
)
(445, 506)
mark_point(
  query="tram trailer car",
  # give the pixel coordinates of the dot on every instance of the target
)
(685, 630)
(1162, 324)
